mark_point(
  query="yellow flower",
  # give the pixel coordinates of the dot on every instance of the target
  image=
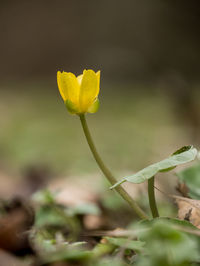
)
(80, 93)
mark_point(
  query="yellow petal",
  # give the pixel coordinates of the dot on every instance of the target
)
(98, 79)
(79, 78)
(89, 89)
(61, 85)
(69, 87)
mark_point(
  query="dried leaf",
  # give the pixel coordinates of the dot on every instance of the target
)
(9, 259)
(189, 209)
(14, 224)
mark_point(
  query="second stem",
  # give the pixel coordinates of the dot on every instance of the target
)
(152, 200)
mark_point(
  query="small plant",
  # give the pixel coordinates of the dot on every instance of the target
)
(80, 95)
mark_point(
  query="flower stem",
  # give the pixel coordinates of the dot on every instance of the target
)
(152, 200)
(107, 172)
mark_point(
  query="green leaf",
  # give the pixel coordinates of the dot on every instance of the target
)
(49, 249)
(116, 261)
(68, 255)
(167, 245)
(44, 197)
(102, 249)
(47, 215)
(172, 221)
(191, 177)
(183, 149)
(184, 155)
(85, 208)
(135, 245)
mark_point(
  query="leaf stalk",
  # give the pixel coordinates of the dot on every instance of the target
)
(152, 199)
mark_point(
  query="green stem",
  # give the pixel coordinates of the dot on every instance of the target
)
(152, 200)
(107, 172)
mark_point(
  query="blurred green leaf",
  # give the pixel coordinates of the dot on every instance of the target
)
(69, 255)
(172, 221)
(44, 197)
(167, 245)
(167, 164)
(135, 245)
(102, 249)
(191, 177)
(50, 248)
(110, 261)
(55, 218)
(86, 208)
(48, 215)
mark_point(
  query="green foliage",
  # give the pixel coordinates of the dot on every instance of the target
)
(46, 215)
(161, 241)
(44, 197)
(182, 149)
(102, 249)
(126, 243)
(167, 245)
(48, 212)
(191, 177)
(51, 251)
(109, 262)
(184, 155)
(85, 208)
(54, 217)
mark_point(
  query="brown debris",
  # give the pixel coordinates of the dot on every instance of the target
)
(6, 259)
(14, 225)
(93, 222)
(73, 191)
(188, 209)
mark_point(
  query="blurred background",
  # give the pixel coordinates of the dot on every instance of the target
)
(149, 56)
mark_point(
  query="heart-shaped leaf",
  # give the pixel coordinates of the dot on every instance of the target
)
(183, 155)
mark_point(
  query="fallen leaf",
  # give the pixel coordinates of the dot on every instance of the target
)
(9, 259)
(14, 225)
(188, 209)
